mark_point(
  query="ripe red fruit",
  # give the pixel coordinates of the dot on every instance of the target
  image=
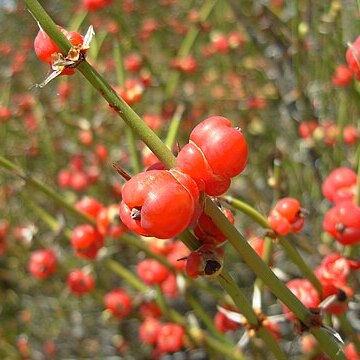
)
(216, 152)
(351, 134)
(132, 62)
(42, 263)
(286, 216)
(353, 57)
(304, 290)
(351, 352)
(118, 302)
(205, 261)
(340, 185)
(80, 282)
(169, 286)
(159, 203)
(170, 338)
(45, 47)
(208, 232)
(342, 77)
(149, 331)
(343, 223)
(86, 241)
(89, 206)
(151, 272)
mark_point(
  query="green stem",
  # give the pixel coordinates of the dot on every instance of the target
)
(286, 245)
(58, 199)
(127, 275)
(174, 126)
(246, 309)
(265, 273)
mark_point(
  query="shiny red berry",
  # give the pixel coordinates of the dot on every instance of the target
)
(286, 216)
(151, 272)
(159, 203)
(86, 241)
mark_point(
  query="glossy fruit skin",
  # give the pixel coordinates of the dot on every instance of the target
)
(42, 263)
(353, 56)
(216, 152)
(340, 185)
(45, 47)
(208, 232)
(151, 272)
(86, 241)
(343, 223)
(305, 292)
(286, 216)
(206, 261)
(165, 201)
(79, 282)
(118, 302)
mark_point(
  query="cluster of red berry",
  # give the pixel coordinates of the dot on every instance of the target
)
(343, 220)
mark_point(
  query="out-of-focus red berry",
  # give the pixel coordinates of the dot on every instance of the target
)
(343, 76)
(343, 223)
(351, 352)
(118, 302)
(149, 309)
(307, 128)
(224, 324)
(93, 5)
(286, 216)
(350, 134)
(149, 331)
(151, 272)
(108, 221)
(79, 282)
(86, 241)
(42, 263)
(170, 338)
(89, 206)
(340, 185)
(169, 286)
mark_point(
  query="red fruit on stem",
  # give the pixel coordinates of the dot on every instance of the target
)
(206, 261)
(343, 223)
(353, 57)
(86, 241)
(42, 263)
(151, 272)
(170, 338)
(118, 302)
(89, 206)
(159, 203)
(286, 216)
(340, 185)
(79, 282)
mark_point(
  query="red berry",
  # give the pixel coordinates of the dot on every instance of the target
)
(350, 351)
(108, 221)
(151, 272)
(286, 216)
(205, 261)
(351, 134)
(89, 206)
(305, 292)
(132, 62)
(342, 77)
(353, 57)
(149, 331)
(159, 203)
(170, 338)
(86, 241)
(42, 263)
(80, 282)
(92, 5)
(216, 152)
(343, 223)
(340, 185)
(169, 286)
(208, 232)
(118, 302)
